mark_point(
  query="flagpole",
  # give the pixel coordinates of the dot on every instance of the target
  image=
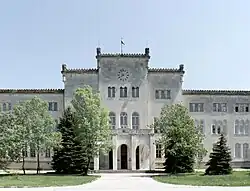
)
(121, 46)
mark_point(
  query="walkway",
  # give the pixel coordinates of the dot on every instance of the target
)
(128, 182)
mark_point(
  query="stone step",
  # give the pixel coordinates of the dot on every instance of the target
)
(126, 171)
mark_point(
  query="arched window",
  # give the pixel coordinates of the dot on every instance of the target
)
(135, 120)
(4, 107)
(237, 151)
(224, 126)
(112, 120)
(202, 126)
(214, 127)
(236, 127)
(196, 123)
(242, 127)
(123, 120)
(246, 127)
(123, 92)
(111, 92)
(245, 150)
(56, 125)
(219, 127)
(135, 92)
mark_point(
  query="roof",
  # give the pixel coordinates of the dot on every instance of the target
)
(80, 70)
(94, 70)
(32, 91)
(130, 55)
(216, 92)
(170, 70)
(99, 54)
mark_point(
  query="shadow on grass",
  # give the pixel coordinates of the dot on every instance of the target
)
(41, 174)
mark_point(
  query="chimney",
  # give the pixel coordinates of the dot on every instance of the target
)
(181, 67)
(64, 67)
(147, 51)
(98, 51)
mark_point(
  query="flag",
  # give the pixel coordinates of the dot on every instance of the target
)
(122, 42)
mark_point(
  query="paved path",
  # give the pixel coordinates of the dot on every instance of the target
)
(128, 182)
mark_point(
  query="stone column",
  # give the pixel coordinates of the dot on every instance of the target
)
(152, 152)
(132, 152)
(114, 152)
(96, 162)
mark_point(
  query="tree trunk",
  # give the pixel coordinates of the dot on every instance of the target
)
(23, 163)
(38, 162)
(87, 168)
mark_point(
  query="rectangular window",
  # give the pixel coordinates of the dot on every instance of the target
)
(158, 151)
(196, 107)
(219, 107)
(25, 151)
(53, 106)
(32, 151)
(50, 106)
(157, 94)
(241, 107)
(135, 92)
(47, 153)
(162, 94)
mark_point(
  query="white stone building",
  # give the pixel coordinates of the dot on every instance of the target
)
(134, 93)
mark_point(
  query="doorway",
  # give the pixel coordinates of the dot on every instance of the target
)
(124, 156)
(111, 159)
(137, 158)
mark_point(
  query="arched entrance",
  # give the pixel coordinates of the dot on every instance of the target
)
(111, 159)
(124, 156)
(142, 157)
(137, 158)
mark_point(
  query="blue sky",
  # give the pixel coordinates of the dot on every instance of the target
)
(211, 38)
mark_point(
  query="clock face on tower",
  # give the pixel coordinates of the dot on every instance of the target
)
(123, 75)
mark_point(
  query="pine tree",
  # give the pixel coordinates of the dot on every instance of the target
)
(69, 159)
(220, 158)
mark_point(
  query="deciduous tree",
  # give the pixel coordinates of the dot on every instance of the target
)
(40, 125)
(180, 138)
(92, 123)
(10, 146)
(24, 131)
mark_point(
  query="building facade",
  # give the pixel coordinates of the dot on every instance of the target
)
(134, 93)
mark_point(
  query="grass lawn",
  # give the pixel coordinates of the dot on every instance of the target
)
(44, 180)
(198, 179)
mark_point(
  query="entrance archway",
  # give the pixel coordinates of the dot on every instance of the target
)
(142, 157)
(124, 156)
(111, 159)
(137, 158)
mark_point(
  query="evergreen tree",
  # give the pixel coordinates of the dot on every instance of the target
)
(179, 137)
(68, 159)
(220, 158)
